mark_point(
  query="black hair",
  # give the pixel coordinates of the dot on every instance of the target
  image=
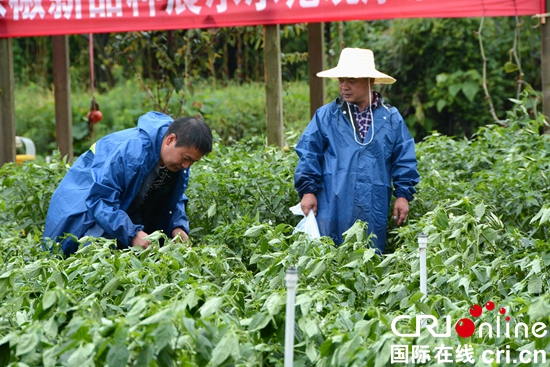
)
(191, 132)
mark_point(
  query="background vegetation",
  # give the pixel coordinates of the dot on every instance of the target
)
(438, 64)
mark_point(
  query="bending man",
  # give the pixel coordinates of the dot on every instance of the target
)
(130, 183)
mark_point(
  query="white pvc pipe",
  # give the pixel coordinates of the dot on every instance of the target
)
(422, 244)
(291, 280)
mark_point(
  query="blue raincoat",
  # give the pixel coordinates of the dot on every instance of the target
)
(352, 181)
(94, 195)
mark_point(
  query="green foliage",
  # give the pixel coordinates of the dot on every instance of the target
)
(438, 65)
(466, 82)
(475, 168)
(435, 59)
(221, 301)
(239, 182)
(25, 192)
(242, 118)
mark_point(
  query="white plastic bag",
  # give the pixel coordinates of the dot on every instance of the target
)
(308, 224)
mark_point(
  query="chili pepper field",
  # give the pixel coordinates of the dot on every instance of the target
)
(483, 203)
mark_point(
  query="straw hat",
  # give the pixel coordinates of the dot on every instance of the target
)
(356, 63)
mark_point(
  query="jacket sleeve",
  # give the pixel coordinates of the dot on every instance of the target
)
(403, 161)
(310, 149)
(115, 170)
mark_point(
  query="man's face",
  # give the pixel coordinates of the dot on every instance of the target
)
(176, 158)
(356, 90)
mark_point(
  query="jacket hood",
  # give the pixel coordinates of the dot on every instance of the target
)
(155, 124)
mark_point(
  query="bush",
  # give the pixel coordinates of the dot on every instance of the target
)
(242, 118)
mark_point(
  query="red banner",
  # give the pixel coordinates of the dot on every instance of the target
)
(21, 18)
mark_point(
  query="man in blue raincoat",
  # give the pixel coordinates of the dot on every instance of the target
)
(129, 184)
(355, 153)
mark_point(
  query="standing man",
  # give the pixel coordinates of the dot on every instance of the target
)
(130, 183)
(354, 153)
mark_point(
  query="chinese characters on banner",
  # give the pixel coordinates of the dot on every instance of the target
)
(20, 18)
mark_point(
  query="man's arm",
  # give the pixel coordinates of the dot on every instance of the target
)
(114, 171)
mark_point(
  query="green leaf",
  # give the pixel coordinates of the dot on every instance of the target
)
(415, 297)
(82, 355)
(454, 89)
(228, 344)
(118, 355)
(480, 210)
(535, 285)
(441, 103)
(441, 78)
(327, 347)
(165, 358)
(178, 84)
(422, 307)
(490, 234)
(254, 231)
(535, 267)
(49, 299)
(27, 343)
(259, 321)
(192, 299)
(383, 356)
(273, 303)
(368, 254)
(159, 291)
(49, 357)
(211, 306)
(311, 328)
(304, 301)
(50, 327)
(311, 352)
(111, 285)
(211, 210)
(470, 89)
(353, 264)
(145, 356)
(539, 309)
(318, 270)
(163, 334)
(510, 67)
(156, 318)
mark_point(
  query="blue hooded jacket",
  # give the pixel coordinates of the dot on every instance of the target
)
(353, 181)
(94, 195)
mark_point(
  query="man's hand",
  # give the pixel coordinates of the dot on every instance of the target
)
(309, 202)
(138, 240)
(400, 210)
(179, 234)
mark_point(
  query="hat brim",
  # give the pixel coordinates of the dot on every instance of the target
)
(335, 73)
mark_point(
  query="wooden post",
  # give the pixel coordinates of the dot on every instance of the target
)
(316, 60)
(273, 86)
(62, 89)
(545, 66)
(7, 102)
